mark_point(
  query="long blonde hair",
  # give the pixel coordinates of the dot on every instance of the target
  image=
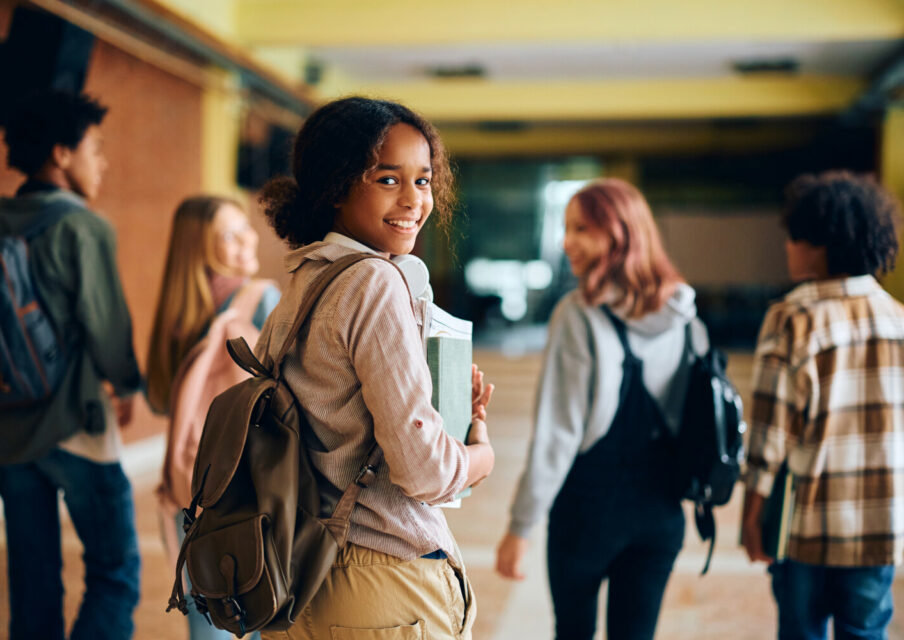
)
(636, 261)
(185, 306)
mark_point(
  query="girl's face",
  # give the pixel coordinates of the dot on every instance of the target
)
(234, 242)
(387, 209)
(584, 245)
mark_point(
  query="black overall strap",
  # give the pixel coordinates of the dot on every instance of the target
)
(621, 330)
(631, 362)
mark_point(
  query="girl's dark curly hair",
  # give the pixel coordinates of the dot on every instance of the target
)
(336, 146)
(853, 217)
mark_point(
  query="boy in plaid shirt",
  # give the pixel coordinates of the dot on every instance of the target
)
(829, 400)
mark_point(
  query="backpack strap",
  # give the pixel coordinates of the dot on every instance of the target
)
(706, 527)
(243, 356)
(368, 471)
(311, 299)
(46, 220)
(689, 341)
(365, 477)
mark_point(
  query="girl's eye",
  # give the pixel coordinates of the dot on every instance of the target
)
(387, 180)
(422, 181)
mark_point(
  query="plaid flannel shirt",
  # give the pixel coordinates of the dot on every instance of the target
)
(829, 397)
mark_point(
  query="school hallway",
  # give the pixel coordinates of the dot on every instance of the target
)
(732, 601)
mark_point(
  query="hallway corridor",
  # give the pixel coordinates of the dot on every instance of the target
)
(733, 601)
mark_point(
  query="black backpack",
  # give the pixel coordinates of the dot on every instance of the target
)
(709, 447)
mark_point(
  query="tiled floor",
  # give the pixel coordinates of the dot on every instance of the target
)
(732, 601)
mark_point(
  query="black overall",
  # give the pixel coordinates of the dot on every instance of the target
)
(613, 518)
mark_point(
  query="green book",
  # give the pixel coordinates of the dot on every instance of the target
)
(450, 360)
(777, 514)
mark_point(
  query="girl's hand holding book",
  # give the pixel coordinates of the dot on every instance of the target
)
(480, 394)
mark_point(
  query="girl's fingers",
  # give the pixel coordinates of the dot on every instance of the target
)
(487, 394)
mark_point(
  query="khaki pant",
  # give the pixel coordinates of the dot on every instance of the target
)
(370, 595)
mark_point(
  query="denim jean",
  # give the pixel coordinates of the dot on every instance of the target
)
(858, 599)
(99, 500)
(198, 626)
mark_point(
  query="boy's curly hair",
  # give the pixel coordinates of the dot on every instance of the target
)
(44, 119)
(850, 215)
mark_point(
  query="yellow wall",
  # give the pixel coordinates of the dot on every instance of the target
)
(220, 124)
(892, 173)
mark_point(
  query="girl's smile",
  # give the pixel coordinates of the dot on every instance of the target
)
(584, 245)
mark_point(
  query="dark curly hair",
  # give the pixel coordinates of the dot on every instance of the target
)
(336, 146)
(850, 215)
(45, 119)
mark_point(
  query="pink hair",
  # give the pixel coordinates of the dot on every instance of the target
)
(635, 260)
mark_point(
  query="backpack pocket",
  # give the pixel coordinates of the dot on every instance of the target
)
(235, 573)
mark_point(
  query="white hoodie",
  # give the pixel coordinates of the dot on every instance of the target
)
(577, 394)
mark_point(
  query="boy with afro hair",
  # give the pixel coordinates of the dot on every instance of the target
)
(829, 403)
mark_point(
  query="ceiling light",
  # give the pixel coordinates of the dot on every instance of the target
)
(766, 65)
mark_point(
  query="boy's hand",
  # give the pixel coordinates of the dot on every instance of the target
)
(752, 528)
(122, 407)
(480, 394)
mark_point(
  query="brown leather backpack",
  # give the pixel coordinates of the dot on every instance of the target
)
(258, 551)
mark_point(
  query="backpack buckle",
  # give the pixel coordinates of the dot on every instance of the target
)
(261, 408)
(366, 476)
(200, 603)
(234, 613)
(188, 520)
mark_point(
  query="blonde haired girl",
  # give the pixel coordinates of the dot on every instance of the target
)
(208, 294)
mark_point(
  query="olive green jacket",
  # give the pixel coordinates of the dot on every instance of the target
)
(74, 270)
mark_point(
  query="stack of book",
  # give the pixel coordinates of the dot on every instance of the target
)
(449, 356)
